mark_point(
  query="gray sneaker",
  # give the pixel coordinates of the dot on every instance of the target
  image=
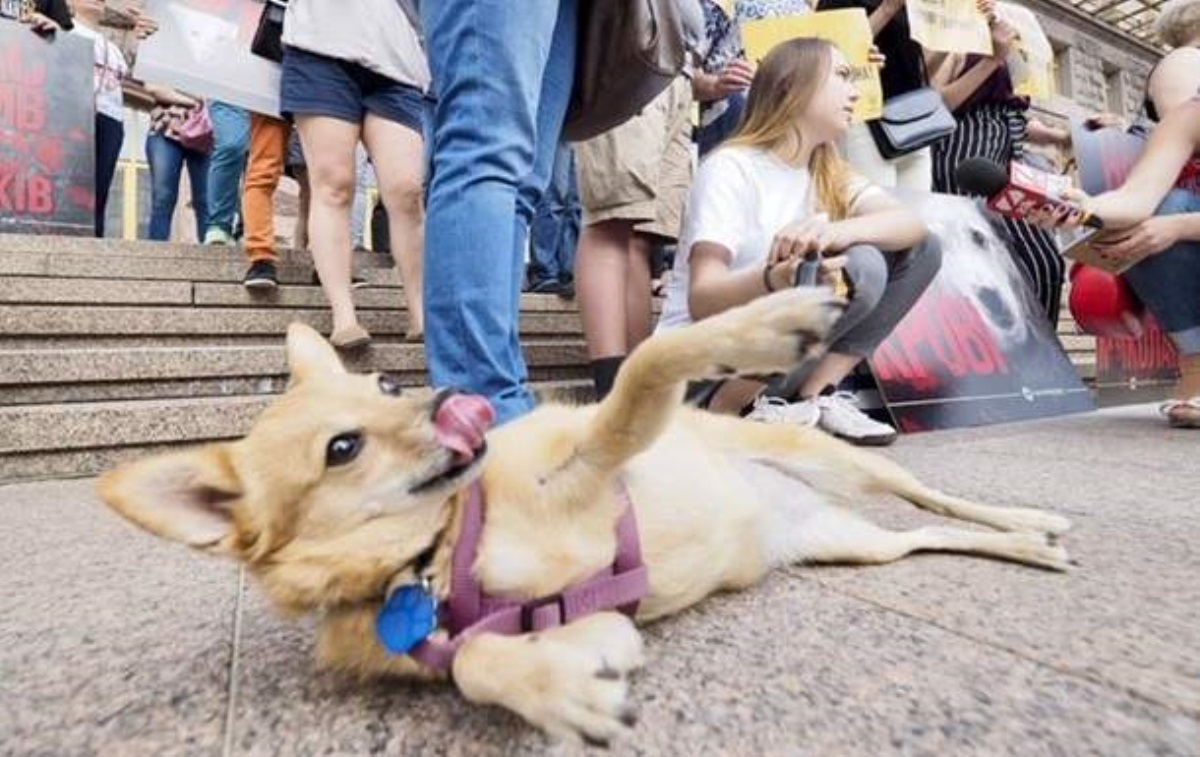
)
(840, 416)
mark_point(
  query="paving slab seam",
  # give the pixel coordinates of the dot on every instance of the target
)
(1062, 670)
(231, 693)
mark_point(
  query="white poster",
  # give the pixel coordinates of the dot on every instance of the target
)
(202, 47)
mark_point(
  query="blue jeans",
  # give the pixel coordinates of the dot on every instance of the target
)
(554, 234)
(231, 134)
(166, 158)
(503, 73)
(1169, 282)
(723, 126)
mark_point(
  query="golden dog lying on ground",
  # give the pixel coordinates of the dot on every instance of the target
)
(354, 502)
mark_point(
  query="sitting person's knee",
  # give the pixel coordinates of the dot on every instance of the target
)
(868, 273)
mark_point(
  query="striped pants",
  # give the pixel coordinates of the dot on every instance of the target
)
(996, 132)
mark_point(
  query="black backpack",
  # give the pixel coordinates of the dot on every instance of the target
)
(629, 52)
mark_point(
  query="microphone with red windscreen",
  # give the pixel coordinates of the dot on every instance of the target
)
(1019, 192)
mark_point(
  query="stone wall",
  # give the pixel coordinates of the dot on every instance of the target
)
(1099, 68)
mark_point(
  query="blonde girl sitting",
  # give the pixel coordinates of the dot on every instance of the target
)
(772, 195)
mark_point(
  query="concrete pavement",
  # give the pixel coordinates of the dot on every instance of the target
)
(112, 643)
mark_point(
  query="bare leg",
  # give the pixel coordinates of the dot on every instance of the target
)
(300, 230)
(601, 273)
(639, 307)
(329, 152)
(396, 151)
(830, 371)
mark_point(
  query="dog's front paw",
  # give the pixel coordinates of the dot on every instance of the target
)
(1028, 519)
(773, 333)
(572, 681)
(585, 696)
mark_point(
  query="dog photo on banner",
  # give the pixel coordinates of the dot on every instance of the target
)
(975, 349)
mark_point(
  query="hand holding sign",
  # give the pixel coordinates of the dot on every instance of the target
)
(849, 29)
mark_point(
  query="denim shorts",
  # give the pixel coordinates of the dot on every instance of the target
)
(317, 85)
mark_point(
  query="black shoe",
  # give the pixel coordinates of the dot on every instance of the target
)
(356, 281)
(553, 286)
(262, 275)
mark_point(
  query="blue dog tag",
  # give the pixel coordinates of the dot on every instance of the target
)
(407, 618)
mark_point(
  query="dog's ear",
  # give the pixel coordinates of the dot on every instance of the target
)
(182, 496)
(309, 354)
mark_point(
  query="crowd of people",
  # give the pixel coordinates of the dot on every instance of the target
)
(483, 197)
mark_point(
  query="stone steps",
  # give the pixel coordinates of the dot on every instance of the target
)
(109, 349)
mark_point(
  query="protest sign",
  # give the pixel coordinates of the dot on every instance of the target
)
(203, 47)
(848, 29)
(47, 143)
(951, 26)
(976, 348)
(1031, 62)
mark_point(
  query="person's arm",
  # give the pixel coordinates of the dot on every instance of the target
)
(957, 89)
(880, 220)
(1040, 133)
(713, 288)
(1171, 145)
(735, 76)
(167, 96)
(1176, 80)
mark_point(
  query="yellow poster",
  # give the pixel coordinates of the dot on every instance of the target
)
(848, 29)
(951, 26)
(1031, 62)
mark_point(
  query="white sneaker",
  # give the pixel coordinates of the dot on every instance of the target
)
(778, 410)
(840, 416)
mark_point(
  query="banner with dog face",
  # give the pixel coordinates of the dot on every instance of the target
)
(203, 47)
(975, 349)
(47, 174)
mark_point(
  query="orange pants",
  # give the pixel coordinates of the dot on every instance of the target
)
(264, 166)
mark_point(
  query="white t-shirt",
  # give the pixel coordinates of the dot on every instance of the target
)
(740, 199)
(375, 34)
(110, 69)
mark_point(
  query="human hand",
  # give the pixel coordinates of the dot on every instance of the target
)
(988, 9)
(797, 239)
(875, 56)
(1149, 237)
(736, 76)
(1104, 121)
(143, 24)
(1003, 39)
(41, 24)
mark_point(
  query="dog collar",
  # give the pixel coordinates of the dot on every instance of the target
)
(411, 615)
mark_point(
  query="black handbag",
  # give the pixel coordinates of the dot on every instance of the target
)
(268, 37)
(911, 121)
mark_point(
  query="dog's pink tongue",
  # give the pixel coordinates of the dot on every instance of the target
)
(461, 421)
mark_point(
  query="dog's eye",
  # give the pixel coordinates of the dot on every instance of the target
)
(343, 448)
(390, 385)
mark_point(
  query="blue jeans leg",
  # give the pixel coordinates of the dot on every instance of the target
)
(555, 228)
(1169, 282)
(199, 167)
(165, 157)
(231, 134)
(502, 71)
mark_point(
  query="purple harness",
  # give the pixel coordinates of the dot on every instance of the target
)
(469, 611)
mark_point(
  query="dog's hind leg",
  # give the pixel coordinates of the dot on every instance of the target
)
(840, 468)
(834, 535)
(767, 335)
